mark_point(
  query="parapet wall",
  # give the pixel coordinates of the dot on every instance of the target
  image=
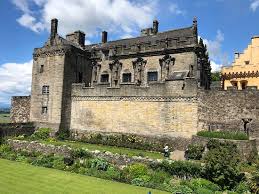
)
(20, 109)
(229, 110)
(163, 109)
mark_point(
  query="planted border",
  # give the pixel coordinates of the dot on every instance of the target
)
(224, 135)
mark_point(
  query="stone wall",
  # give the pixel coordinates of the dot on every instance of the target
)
(245, 147)
(15, 129)
(153, 116)
(20, 109)
(227, 110)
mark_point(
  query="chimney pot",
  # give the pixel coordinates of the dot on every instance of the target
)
(104, 36)
(155, 26)
(54, 27)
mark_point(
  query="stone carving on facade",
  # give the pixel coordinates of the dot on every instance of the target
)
(115, 68)
(166, 64)
(139, 68)
(96, 67)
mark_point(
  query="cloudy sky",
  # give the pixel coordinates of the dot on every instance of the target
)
(225, 25)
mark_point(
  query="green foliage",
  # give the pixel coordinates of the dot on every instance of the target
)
(44, 160)
(141, 181)
(223, 135)
(42, 133)
(63, 134)
(137, 170)
(215, 76)
(200, 183)
(58, 163)
(99, 164)
(81, 153)
(254, 182)
(194, 151)
(221, 165)
(181, 189)
(242, 188)
(180, 169)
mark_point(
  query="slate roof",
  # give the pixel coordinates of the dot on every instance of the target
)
(178, 34)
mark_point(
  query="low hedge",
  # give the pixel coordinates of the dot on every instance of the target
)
(224, 135)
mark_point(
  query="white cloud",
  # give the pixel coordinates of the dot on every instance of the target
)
(175, 9)
(254, 5)
(91, 16)
(15, 79)
(217, 56)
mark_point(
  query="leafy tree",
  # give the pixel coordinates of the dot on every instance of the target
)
(215, 76)
(221, 165)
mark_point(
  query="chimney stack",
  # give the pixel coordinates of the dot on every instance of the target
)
(237, 54)
(54, 28)
(104, 36)
(155, 26)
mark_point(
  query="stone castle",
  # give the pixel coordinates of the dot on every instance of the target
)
(157, 84)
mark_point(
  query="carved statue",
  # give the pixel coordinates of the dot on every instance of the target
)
(139, 67)
(95, 71)
(165, 63)
(115, 68)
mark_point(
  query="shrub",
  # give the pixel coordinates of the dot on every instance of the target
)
(200, 183)
(42, 133)
(159, 176)
(99, 164)
(44, 160)
(140, 181)
(181, 189)
(81, 153)
(181, 169)
(221, 165)
(58, 163)
(113, 173)
(194, 151)
(136, 170)
(223, 135)
(242, 188)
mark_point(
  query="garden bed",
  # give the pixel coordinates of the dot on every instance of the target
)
(223, 135)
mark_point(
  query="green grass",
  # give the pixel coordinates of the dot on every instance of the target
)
(112, 149)
(223, 135)
(4, 118)
(23, 178)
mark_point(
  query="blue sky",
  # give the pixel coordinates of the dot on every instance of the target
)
(226, 25)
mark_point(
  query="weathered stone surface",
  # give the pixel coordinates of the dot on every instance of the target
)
(20, 109)
(177, 155)
(245, 147)
(225, 110)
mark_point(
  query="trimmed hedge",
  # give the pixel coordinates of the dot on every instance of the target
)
(224, 135)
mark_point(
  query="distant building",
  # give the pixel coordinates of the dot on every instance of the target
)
(244, 72)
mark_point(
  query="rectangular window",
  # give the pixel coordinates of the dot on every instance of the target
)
(45, 89)
(41, 68)
(152, 76)
(105, 78)
(126, 77)
(44, 110)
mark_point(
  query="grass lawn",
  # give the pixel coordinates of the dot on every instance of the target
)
(23, 178)
(4, 118)
(113, 149)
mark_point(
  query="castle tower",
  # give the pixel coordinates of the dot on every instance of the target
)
(57, 65)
